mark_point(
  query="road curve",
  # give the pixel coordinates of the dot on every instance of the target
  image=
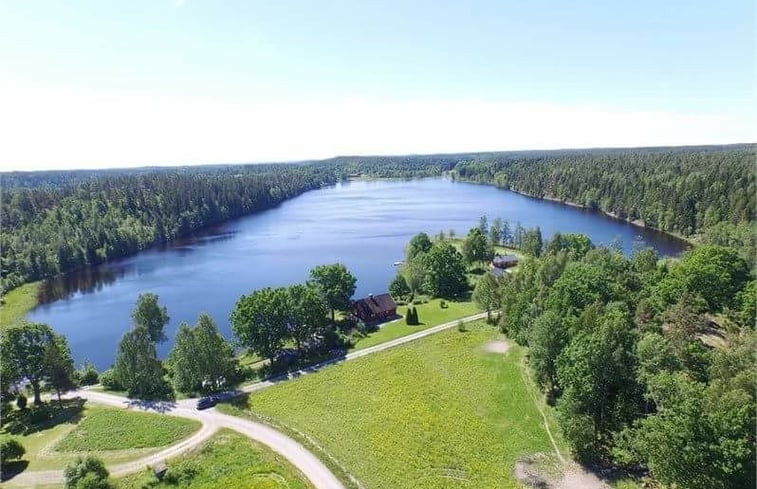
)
(310, 466)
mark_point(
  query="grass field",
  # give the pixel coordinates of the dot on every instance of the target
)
(119, 429)
(115, 435)
(429, 314)
(18, 302)
(226, 460)
(437, 413)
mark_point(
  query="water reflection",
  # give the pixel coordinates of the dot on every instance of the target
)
(84, 281)
(93, 279)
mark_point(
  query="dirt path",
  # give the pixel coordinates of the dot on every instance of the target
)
(574, 476)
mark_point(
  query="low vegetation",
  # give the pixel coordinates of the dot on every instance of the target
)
(53, 436)
(119, 429)
(16, 303)
(225, 460)
(440, 412)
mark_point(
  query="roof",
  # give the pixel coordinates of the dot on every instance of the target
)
(375, 304)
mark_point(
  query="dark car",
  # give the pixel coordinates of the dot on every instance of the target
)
(206, 402)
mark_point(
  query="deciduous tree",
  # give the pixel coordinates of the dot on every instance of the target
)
(149, 314)
(259, 320)
(335, 284)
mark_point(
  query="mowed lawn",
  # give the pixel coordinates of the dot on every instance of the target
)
(440, 412)
(429, 314)
(227, 460)
(119, 429)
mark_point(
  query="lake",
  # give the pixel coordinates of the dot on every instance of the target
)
(363, 224)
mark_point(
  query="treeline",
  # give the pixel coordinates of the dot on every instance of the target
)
(683, 191)
(650, 363)
(47, 231)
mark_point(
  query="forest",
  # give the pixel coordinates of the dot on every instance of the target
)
(649, 362)
(686, 191)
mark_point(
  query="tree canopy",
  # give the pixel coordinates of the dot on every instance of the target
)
(335, 284)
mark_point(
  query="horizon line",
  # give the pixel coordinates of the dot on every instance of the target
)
(157, 166)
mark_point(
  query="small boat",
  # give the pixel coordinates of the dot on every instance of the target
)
(398, 263)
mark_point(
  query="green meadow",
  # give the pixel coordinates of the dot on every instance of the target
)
(441, 412)
(227, 460)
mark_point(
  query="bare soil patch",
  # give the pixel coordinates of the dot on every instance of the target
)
(537, 472)
(499, 346)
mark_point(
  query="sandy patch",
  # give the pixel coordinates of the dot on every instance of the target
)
(499, 346)
(539, 472)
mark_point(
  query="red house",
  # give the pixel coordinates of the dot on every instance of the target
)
(374, 308)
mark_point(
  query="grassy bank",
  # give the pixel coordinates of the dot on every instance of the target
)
(229, 460)
(18, 302)
(410, 417)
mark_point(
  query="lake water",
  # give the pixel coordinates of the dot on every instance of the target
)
(363, 224)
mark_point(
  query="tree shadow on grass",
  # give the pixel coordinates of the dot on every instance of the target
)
(34, 419)
(157, 406)
(12, 469)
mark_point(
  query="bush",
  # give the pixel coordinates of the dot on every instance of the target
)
(86, 473)
(39, 414)
(108, 380)
(88, 375)
(443, 304)
(460, 326)
(5, 410)
(21, 401)
(10, 449)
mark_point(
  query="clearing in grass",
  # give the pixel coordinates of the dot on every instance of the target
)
(441, 412)
(228, 459)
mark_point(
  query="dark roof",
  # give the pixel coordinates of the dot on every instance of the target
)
(375, 304)
(504, 260)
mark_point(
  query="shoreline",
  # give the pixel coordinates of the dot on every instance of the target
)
(636, 222)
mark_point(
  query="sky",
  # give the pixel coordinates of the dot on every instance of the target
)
(96, 84)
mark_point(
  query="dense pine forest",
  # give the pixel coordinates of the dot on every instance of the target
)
(57, 221)
(685, 191)
(49, 230)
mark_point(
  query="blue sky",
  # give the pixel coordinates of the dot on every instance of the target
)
(97, 84)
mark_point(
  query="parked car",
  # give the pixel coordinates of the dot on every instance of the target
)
(206, 402)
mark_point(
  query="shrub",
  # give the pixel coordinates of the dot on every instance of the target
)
(10, 449)
(460, 326)
(5, 410)
(21, 401)
(108, 380)
(443, 304)
(88, 375)
(86, 473)
(38, 414)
